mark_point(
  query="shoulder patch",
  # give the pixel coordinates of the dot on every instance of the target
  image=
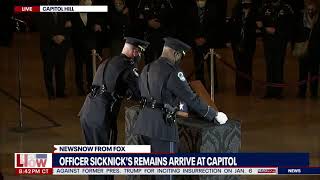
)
(181, 76)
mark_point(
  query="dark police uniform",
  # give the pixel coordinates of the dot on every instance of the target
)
(163, 12)
(163, 86)
(53, 54)
(276, 14)
(243, 38)
(114, 79)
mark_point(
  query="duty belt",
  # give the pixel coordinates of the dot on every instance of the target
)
(153, 104)
(169, 114)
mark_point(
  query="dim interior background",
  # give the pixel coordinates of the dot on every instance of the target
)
(290, 125)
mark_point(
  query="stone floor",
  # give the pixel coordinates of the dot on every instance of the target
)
(289, 125)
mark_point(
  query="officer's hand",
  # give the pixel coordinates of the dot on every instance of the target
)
(200, 41)
(221, 118)
(154, 23)
(228, 45)
(68, 24)
(125, 11)
(270, 30)
(58, 39)
(259, 24)
(97, 28)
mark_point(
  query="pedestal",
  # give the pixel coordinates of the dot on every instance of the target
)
(195, 135)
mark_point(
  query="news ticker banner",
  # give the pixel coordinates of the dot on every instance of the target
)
(50, 9)
(137, 160)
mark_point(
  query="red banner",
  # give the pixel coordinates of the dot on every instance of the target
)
(23, 9)
(33, 171)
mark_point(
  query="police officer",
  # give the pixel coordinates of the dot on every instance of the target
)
(114, 79)
(156, 19)
(276, 24)
(243, 38)
(55, 29)
(163, 86)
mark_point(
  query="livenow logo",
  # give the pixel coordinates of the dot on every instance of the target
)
(33, 160)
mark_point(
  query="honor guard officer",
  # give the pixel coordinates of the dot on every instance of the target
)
(277, 26)
(163, 86)
(115, 78)
(156, 20)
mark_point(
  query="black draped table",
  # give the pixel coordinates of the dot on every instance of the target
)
(195, 135)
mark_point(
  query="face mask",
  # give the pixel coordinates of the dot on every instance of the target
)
(177, 58)
(86, 2)
(201, 4)
(137, 59)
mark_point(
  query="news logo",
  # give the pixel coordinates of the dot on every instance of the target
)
(33, 163)
(267, 171)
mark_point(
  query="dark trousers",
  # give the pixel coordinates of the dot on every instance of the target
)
(308, 66)
(54, 58)
(243, 61)
(274, 51)
(198, 59)
(160, 146)
(154, 50)
(102, 135)
(83, 56)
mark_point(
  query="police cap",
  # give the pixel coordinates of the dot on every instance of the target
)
(141, 44)
(176, 45)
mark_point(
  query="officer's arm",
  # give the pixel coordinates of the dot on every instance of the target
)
(178, 85)
(130, 77)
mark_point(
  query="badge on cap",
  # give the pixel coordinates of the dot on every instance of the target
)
(181, 76)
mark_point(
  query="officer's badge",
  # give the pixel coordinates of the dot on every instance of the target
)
(135, 71)
(181, 76)
(281, 13)
(267, 13)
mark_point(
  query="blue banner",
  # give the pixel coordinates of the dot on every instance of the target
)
(309, 170)
(182, 160)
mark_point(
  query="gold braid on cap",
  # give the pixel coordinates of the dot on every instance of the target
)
(142, 48)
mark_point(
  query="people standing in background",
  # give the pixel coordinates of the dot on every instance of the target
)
(101, 27)
(83, 41)
(157, 20)
(276, 22)
(7, 26)
(119, 23)
(54, 44)
(243, 37)
(204, 29)
(309, 61)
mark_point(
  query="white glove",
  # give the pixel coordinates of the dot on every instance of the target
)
(221, 117)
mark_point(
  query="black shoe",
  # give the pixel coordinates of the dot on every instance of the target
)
(301, 96)
(61, 96)
(267, 96)
(50, 97)
(314, 96)
(279, 97)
